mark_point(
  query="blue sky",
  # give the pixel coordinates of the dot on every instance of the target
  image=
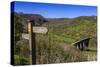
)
(54, 10)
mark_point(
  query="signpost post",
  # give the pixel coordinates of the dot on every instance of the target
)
(32, 45)
(31, 37)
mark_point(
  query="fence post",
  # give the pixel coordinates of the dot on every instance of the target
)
(32, 45)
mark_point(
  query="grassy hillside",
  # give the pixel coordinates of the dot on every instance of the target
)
(56, 45)
(78, 29)
(61, 35)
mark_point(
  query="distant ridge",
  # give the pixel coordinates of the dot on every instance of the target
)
(39, 19)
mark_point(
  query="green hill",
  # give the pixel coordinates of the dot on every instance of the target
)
(55, 46)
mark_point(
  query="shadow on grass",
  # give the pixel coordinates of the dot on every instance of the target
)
(90, 50)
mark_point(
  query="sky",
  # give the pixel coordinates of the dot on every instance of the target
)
(54, 10)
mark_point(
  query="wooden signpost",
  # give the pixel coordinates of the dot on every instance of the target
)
(25, 36)
(32, 30)
(40, 30)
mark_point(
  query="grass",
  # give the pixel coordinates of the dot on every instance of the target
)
(58, 42)
(55, 46)
(73, 32)
(51, 51)
(91, 54)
